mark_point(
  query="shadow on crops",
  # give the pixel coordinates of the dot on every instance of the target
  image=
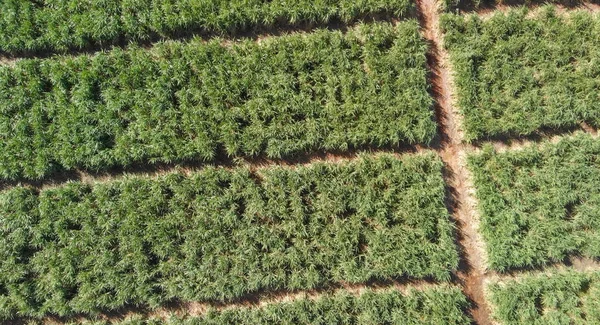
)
(222, 159)
(573, 260)
(253, 32)
(251, 300)
(539, 136)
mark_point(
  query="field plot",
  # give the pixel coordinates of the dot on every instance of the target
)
(540, 205)
(192, 101)
(444, 305)
(60, 25)
(517, 74)
(558, 298)
(220, 234)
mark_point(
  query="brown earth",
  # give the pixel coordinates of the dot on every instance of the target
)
(452, 150)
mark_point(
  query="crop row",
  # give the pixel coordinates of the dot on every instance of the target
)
(220, 234)
(60, 25)
(556, 298)
(192, 101)
(441, 306)
(517, 74)
(540, 204)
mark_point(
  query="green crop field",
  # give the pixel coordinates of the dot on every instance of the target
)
(60, 25)
(191, 101)
(516, 74)
(445, 306)
(191, 162)
(557, 298)
(540, 205)
(221, 234)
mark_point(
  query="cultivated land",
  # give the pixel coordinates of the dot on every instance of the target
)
(516, 74)
(354, 162)
(222, 234)
(539, 205)
(565, 297)
(182, 101)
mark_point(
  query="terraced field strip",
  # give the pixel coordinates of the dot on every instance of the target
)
(220, 235)
(288, 95)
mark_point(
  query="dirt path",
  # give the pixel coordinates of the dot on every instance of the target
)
(197, 309)
(452, 150)
(253, 163)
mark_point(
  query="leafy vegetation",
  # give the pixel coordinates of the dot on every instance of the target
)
(220, 234)
(540, 205)
(561, 298)
(60, 25)
(517, 74)
(190, 101)
(443, 305)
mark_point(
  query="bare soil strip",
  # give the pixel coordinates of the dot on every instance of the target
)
(255, 33)
(515, 144)
(562, 8)
(7, 61)
(195, 309)
(254, 164)
(452, 150)
(579, 264)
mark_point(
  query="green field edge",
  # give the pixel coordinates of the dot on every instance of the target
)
(450, 305)
(143, 25)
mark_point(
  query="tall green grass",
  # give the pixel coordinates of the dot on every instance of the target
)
(218, 235)
(541, 204)
(516, 74)
(288, 95)
(557, 298)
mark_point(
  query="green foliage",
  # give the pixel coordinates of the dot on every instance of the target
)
(568, 298)
(540, 205)
(188, 101)
(517, 74)
(60, 25)
(445, 305)
(221, 234)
